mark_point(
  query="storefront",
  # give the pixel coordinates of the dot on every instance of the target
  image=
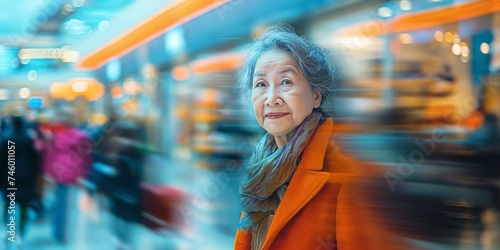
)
(434, 71)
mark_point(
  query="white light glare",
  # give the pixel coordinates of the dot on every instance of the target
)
(465, 51)
(80, 86)
(405, 5)
(24, 93)
(103, 26)
(384, 12)
(32, 75)
(485, 48)
(455, 49)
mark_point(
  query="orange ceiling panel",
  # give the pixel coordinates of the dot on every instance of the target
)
(222, 62)
(175, 13)
(439, 16)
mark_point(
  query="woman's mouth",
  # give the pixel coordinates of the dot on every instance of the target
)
(276, 115)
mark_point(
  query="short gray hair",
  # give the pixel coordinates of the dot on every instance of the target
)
(313, 61)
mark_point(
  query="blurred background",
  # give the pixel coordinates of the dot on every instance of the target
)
(133, 101)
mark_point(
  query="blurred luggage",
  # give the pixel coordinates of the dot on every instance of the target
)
(162, 207)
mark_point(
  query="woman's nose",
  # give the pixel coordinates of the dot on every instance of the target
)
(273, 98)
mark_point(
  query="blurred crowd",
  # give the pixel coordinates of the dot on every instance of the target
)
(49, 157)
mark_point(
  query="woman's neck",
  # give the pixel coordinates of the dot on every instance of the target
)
(282, 140)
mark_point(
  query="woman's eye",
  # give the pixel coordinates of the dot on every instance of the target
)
(286, 81)
(259, 84)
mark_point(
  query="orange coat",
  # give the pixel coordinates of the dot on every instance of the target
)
(319, 209)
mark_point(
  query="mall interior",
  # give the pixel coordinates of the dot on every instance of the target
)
(145, 90)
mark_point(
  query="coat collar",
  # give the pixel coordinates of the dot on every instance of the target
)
(305, 183)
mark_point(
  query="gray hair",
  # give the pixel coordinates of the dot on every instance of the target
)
(313, 61)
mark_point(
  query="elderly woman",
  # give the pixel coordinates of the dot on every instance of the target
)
(297, 193)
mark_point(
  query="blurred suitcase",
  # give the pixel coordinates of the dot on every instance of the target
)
(162, 207)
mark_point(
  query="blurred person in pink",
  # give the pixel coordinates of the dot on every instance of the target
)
(67, 158)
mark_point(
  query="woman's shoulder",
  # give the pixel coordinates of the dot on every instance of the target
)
(337, 158)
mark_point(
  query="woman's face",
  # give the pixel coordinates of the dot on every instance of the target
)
(282, 97)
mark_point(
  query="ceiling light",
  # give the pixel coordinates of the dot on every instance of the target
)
(405, 5)
(103, 26)
(80, 86)
(384, 12)
(24, 93)
(32, 75)
(438, 35)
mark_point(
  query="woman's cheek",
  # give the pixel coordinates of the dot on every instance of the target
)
(259, 117)
(257, 99)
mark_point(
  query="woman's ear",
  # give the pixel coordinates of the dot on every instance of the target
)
(316, 99)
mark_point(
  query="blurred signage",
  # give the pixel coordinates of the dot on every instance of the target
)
(35, 103)
(113, 70)
(7, 54)
(175, 41)
(64, 53)
(4, 94)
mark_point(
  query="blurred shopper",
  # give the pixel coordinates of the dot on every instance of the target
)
(298, 192)
(484, 141)
(67, 159)
(3, 124)
(125, 197)
(20, 168)
(97, 177)
(124, 190)
(444, 82)
(116, 172)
